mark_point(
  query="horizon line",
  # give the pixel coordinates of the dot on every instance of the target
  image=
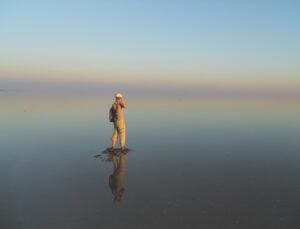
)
(224, 91)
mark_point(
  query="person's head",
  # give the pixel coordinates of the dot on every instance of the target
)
(118, 96)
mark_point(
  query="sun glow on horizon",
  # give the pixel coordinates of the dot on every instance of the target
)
(169, 45)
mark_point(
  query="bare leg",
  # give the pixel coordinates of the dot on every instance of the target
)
(114, 138)
(113, 143)
(123, 138)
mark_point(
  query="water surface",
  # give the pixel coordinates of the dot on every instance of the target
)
(196, 163)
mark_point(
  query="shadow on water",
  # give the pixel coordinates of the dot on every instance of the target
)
(116, 179)
(109, 151)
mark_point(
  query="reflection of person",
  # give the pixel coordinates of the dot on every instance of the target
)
(116, 116)
(116, 180)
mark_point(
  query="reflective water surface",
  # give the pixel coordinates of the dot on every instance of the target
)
(194, 163)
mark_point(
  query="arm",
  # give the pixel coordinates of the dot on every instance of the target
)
(123, 104)
(120, 104)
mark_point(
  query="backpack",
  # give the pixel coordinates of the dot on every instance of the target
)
(112, 114)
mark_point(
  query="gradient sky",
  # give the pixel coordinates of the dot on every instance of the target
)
(177, 43)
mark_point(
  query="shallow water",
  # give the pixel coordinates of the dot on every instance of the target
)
(195, 163)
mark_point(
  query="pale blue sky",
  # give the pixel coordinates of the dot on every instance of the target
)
(155, 42)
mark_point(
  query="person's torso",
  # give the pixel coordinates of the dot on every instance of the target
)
(119, 114)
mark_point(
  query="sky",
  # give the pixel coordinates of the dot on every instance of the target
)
(166, 44)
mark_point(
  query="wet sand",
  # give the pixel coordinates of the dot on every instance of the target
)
(216, 164)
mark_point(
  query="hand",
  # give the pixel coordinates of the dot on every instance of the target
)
(120, 102)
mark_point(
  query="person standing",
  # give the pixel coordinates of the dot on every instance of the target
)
(117, 117)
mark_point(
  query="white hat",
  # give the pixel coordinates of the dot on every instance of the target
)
(118, 95)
